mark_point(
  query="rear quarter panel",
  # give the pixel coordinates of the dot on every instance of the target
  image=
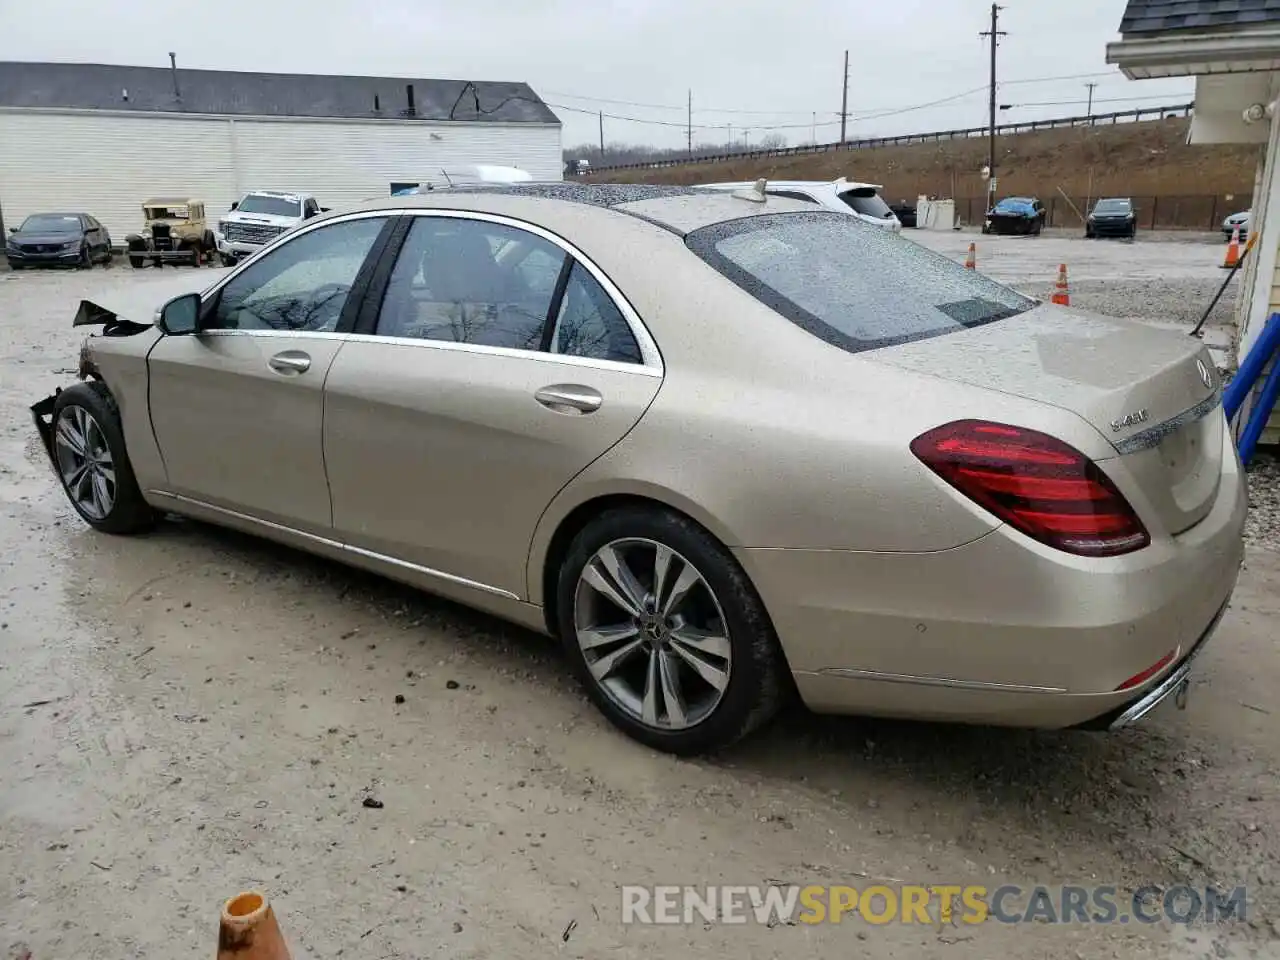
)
(772, 438)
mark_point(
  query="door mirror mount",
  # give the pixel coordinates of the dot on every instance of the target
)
(181, 315)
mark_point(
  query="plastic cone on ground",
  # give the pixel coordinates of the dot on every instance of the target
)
(1233, 249)
(1061, 292)
(248, 930)
(971, 258)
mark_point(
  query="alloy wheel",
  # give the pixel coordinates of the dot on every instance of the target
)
(652, 633)
(84, 462)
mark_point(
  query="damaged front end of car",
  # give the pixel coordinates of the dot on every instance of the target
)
(89, 314)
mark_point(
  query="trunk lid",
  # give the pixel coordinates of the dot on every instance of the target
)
(1152, 393)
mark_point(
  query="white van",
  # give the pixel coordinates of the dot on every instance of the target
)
(863, 200)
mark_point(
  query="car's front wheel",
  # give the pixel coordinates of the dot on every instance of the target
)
(666, 633)
(92, 463)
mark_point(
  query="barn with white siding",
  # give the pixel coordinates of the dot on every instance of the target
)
(100, 138)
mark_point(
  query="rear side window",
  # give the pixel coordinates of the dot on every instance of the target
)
(866, 201)
(791, 195)
(851, 284)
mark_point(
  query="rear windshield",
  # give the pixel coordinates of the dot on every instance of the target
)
(52, 223)
(272, 206)
(851, 284)
(866, 201)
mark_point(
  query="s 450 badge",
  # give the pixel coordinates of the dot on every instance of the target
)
(1129, 419)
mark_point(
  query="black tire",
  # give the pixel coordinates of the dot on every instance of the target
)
(86, 258)
(226, 260)
(17, 266)
(128, 513)
(755, 688)
(136, 263)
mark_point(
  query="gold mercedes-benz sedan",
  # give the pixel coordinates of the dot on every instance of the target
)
(727, 447)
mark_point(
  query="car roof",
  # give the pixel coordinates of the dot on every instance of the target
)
(57, 213)
(840, 184)
(282, 194)
(169, 202)
(679, 210)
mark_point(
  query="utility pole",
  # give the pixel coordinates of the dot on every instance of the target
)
(689, 130)
(995, 33)
(1089, 111)
(602, 136)
(844, 98)
(813, 128)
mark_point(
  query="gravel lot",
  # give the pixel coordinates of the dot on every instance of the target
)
(195, 712)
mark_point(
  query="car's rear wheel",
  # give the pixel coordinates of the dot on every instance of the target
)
(666, 633)
(92, 463)
(135, 262)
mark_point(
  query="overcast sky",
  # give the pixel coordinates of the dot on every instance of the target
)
(775, 64)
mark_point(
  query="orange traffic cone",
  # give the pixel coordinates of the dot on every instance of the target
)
(1232, 258)
(248, 930)
(971, 258)
(1061, 292)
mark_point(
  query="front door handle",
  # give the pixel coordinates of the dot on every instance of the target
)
(569, 398)
(290, 362)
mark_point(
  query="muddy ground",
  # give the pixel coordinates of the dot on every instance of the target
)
(192, 713)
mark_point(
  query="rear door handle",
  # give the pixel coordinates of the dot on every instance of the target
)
(569, 398)
(290, 362)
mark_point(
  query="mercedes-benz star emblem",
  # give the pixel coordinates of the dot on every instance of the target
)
(1205, 376)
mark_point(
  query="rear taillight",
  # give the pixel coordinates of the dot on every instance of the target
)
(1049, 490)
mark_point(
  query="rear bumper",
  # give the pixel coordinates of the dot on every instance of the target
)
(1001, 630)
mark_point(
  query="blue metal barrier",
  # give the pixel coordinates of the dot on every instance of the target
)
(1254, 363)
(1260, 415)
(1265, 349)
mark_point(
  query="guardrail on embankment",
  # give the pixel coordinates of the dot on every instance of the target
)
(937, 136)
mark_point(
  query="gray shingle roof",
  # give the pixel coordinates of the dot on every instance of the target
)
(1161, 16)
(97, 86)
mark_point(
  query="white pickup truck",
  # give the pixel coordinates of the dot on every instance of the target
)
(258, 218)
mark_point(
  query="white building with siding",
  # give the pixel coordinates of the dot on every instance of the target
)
(100, 138)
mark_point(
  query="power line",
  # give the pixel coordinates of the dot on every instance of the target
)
(1114, 74)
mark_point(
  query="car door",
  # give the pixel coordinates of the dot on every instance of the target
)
(497, 366)
(237, 408)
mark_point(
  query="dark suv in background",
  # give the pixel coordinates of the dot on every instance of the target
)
(1112, 217)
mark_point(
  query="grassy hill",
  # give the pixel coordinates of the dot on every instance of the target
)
(1143, 160)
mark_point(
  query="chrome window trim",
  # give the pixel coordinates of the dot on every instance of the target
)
(650, 355)
(338, 545)
(516, 353)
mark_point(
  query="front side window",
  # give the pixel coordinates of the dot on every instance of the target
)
(849, 283)
(300, 285)
(471, 281)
